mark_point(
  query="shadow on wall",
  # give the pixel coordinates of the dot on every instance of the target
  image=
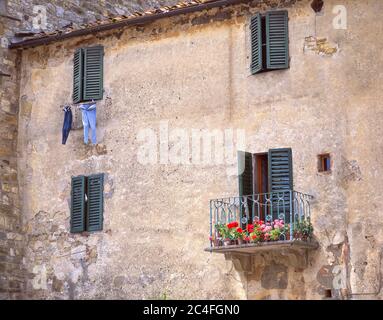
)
(272, 274)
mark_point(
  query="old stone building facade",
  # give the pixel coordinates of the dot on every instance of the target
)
(16, 20)
(177, 75)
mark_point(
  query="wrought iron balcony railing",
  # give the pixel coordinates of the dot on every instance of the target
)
(278, 216)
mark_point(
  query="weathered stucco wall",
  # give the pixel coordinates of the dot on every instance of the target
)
(17, 16)
(195, 74)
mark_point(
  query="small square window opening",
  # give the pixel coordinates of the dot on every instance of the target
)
(328, 293)
(324, 163)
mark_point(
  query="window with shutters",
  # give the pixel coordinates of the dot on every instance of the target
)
(269, 41)
(88, 72)
(87, 203)
(269, 175)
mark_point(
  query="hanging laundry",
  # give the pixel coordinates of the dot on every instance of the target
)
(67, 125)
(89, 120)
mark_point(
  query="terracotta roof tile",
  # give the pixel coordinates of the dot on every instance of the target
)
(75, 29)
(116, 18)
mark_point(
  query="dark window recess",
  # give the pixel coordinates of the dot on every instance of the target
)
(88, 74)
(328, 293)
(269, 41)
(87, 203)
(324, 162)
(267, 175)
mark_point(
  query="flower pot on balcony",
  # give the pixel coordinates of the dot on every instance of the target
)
(285, 236)
(217, 242)
(240, 241)
(227, 242)
(297, 235)
(306, 237)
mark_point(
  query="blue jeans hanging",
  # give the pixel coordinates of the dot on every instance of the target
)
(89, 120)
(67, 125)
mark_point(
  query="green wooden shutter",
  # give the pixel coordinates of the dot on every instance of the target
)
(77, 216)
(280, 170)
(277, 39)
(245, 173)
(256, 43)
(77, 76)
(280, 180)
(95, 203)
(245, 180)
(93, 73)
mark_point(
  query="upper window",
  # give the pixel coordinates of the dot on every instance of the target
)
(88, 74)
(269, 41)
(87, 203)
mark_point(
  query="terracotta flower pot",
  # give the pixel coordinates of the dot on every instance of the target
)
(286, 237)
(216, 242)
(305, 237)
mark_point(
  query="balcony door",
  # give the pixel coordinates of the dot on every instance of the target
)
(260, 174)
(260, 183)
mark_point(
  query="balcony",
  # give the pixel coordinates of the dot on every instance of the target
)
(258, 222)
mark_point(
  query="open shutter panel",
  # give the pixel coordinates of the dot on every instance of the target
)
(245, 173)
(77, 219)
(280, 181)
(93, 73)
(256, 43)
(77, 75)
(95, 204)
(277, 40)
(245, 179)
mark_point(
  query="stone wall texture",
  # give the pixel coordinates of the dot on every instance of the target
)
(192, 72)
(16, 17)
(11, 239)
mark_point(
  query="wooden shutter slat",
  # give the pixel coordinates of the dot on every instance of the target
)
(77, 216)
(93, 73)
(78, 76)
(95, 204)
(277, 39)
(280, 179)
(256, 43)
(245, 181)
(245, 173)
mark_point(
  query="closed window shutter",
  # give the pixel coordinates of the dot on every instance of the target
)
(95, 203)
(77, 75)
(280, 180)
(277, 39)
(77, 204)
(93, 73)
(256, 43)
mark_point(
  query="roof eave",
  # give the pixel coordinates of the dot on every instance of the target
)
(128, 22)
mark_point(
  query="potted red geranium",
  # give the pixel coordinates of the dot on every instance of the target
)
(239, 234)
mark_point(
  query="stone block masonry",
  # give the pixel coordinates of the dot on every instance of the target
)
(17, 16)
